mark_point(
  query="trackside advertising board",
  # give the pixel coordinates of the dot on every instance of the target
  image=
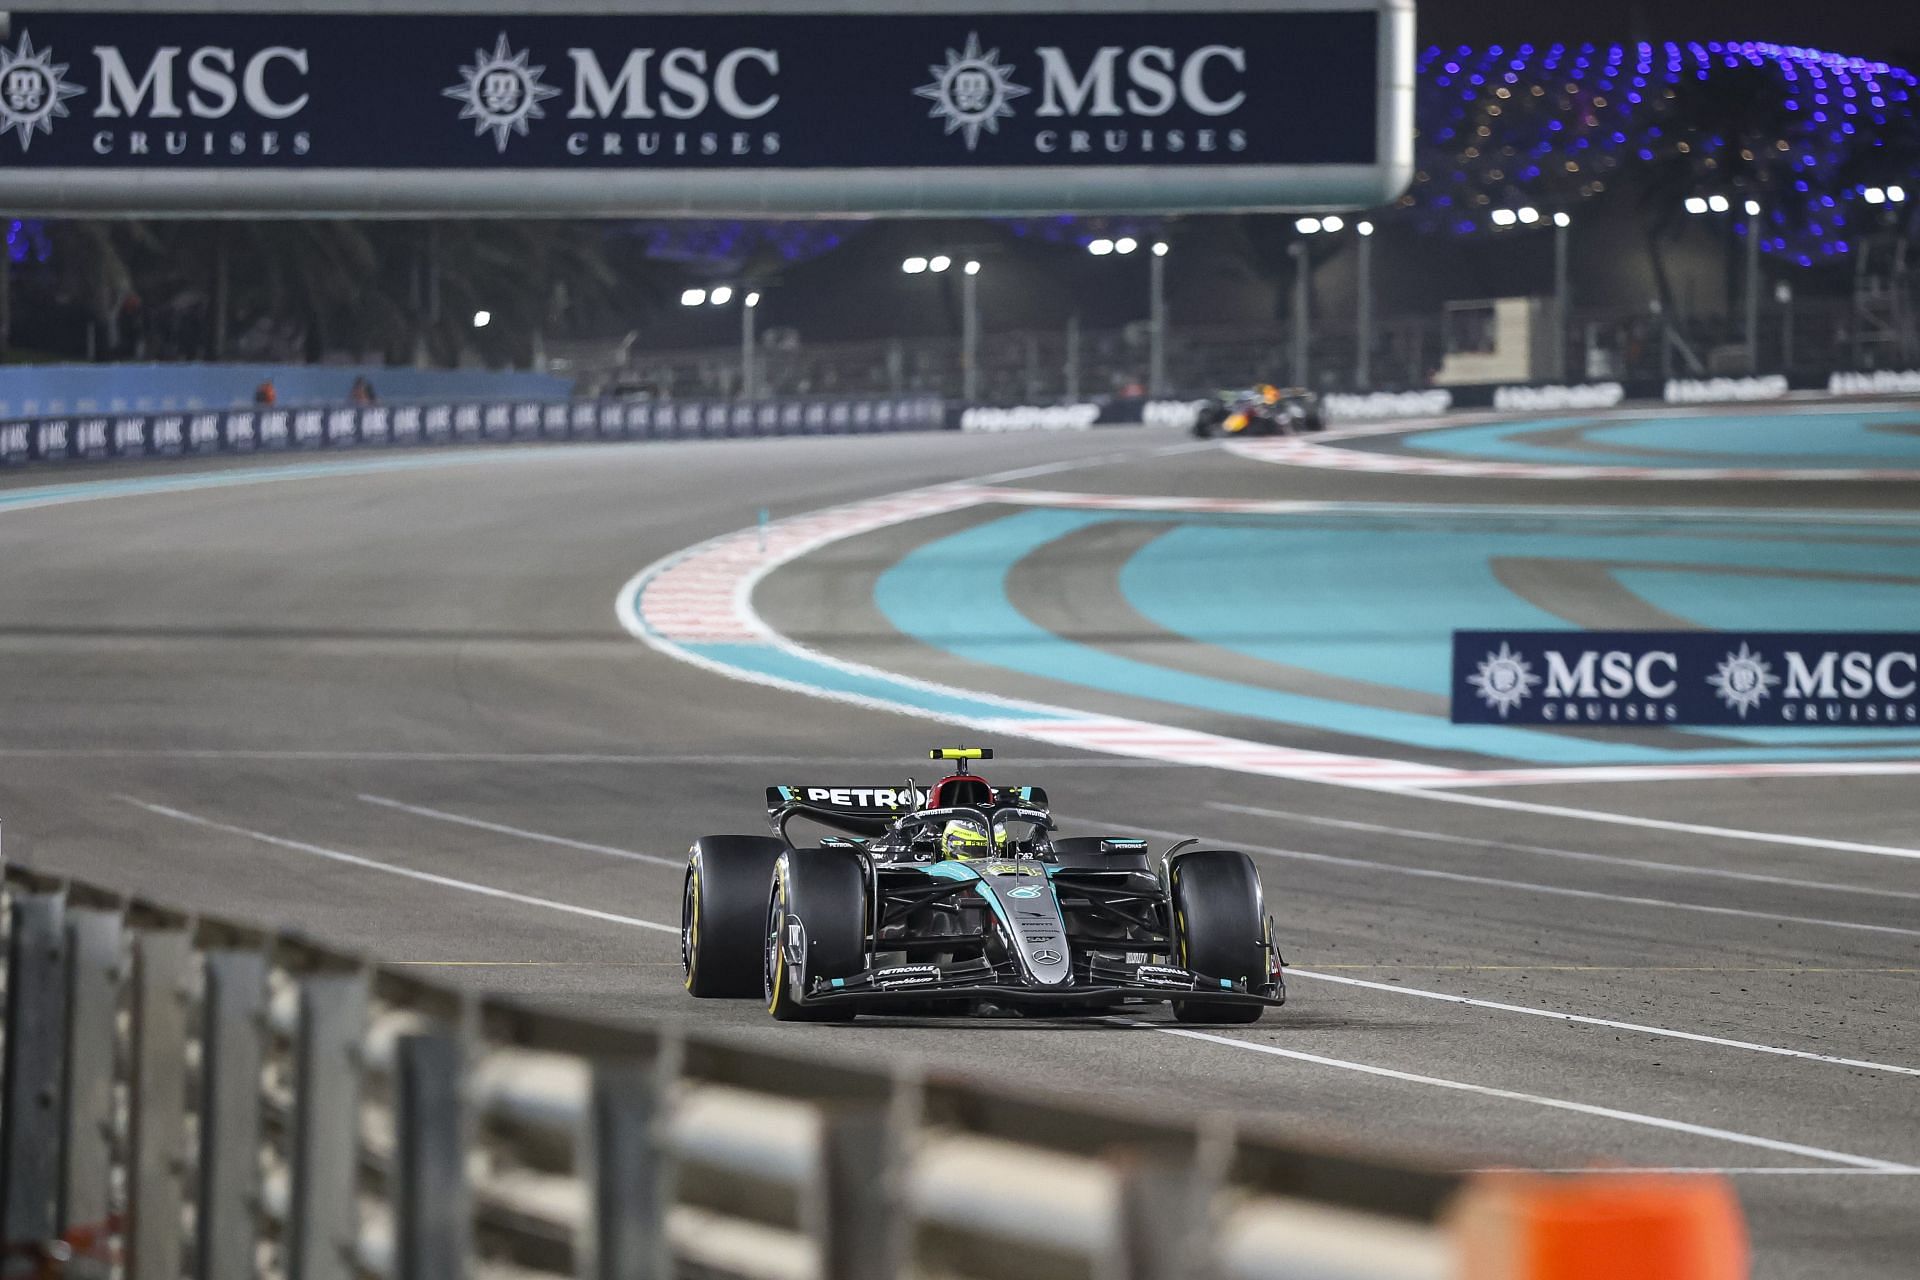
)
(1633, 679)
(882, 109)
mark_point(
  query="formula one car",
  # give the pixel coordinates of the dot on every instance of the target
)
(1260, 411)
(958, 898)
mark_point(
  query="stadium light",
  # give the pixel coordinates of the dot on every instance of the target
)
(1874, 195)
(1753, 208)
(1100, 248)
(1307, 226)
(1159, 248)
(1529, 215)
(481, 319)
(753, 299)
(722, 296)
(1364, 228)
(1125, 244)
(939, 262)
(1505, 217)
(1896, 194)
(1562, 219)
(1331, 223)
(1696, 204)
(972, 268)
(1718, 204)
(693, 297)
(914, 266)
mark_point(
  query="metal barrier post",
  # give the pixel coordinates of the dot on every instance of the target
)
(36, 1045)
(162, 954)
(233, 1011)
(433, 1217)
(628, 1171)
(851, 1217)
(94, 937)
(322, 1219)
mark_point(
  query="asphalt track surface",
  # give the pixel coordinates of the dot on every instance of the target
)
(392, 706)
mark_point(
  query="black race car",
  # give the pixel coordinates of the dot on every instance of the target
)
(958, 898)
(1260, 411)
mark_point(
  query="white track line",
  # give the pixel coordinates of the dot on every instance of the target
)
(1535, 1099)
(1610, 1113)
(1528, 886)
(1390, 988)
(369, 864)
(441, 815)
(1645, 864)
(1670, 1033)
(527, 757)
(1656, 824)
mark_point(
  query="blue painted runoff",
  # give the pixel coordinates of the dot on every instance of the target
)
(1811, 439)
(1376, 599)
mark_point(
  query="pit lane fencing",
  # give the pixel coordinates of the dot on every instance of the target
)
(189, 1096)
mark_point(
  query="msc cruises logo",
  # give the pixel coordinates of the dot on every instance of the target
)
(501, 92)
(1503, 680)
(33, 91)
(1743, 680)
(972, 91)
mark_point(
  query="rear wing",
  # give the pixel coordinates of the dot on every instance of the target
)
(885, 801)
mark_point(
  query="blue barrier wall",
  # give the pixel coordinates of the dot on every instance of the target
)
(49, 390)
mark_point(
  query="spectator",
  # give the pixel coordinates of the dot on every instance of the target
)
(362, 394)
(266, 394)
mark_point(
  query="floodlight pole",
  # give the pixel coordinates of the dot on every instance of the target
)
(1298, 250)
(1157, 309)
(749, 390)
(1562, 296)
(1363, 371)
(1073, 356)
(970, 337)
(1753, 288)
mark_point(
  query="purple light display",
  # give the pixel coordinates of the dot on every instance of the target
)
(1804, 132)
(27, 241)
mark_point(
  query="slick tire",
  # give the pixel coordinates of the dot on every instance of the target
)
(723, 914)
(1219, 928)
(1084, 852)
(1206, 423)
(815, 927)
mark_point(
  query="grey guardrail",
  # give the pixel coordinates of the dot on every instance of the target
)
(347, 1119)
(79, 437)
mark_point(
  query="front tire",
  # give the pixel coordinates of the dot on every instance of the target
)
(1219, 929)
(723, 903)
(816, 927)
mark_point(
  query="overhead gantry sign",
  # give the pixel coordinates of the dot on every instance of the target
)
(961, 106)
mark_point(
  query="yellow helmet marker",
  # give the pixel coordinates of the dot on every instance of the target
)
(960, 753)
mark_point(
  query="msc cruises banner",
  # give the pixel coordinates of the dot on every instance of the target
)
(711, 92)
(1628, 679)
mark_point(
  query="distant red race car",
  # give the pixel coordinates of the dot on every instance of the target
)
(1260, 411)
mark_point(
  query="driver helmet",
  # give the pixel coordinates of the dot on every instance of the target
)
(965, 839)
(1269, 393)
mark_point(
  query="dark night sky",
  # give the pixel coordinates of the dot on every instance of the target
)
(1883, 29)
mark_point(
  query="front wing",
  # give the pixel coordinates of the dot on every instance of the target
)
(1096, 982)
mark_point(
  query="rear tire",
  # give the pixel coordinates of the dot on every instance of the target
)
(824, 893)
(1219, 929)
(723, 905)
